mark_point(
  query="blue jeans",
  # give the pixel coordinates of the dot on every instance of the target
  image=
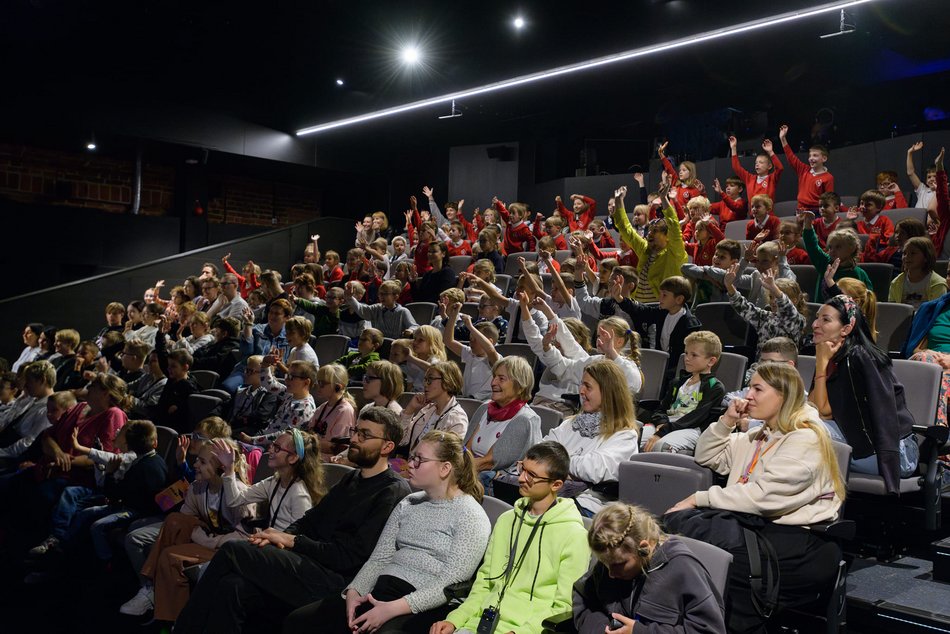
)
(908, 449)
(71, 501)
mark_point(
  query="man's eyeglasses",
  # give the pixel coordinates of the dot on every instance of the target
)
(415, 460)
(363, 435)
(531, 478)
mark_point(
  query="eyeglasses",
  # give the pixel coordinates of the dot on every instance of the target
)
(531, 478)
(277, 448)
(415, 460)
(429, 379)
(367, 378)
(364, 435)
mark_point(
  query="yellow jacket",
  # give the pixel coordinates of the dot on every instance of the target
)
(668, 261)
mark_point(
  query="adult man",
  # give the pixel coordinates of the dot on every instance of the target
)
(17, 436)
(229, 303)
(318, 554)
(537, 583)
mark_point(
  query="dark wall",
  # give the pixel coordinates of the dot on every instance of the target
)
(81, 304)
(471, 169)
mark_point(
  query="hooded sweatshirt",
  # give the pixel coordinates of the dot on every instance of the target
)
(541, 587)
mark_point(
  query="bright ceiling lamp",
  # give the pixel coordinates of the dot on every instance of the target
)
(718, 34)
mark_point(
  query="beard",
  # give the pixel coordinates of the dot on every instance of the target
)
(362, 456)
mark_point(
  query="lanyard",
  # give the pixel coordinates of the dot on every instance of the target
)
(324, 415)
(217, 524)
(755, 460)
(272, 510)
(513, 545)
(426, 427)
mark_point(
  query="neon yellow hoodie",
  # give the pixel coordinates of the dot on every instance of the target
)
(542, 586)
(668, 261)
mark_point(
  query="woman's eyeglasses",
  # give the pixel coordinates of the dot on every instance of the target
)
(415, 460)
(277, 448)
(429, 379)
(367, 378)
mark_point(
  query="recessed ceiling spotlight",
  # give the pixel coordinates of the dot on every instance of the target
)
(410, 55)
(519, 22)
(339, 82)
(91, 145)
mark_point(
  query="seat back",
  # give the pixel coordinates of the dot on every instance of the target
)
(422, 312)
(730, 370)
(812, 311)
(656, 487)
(714, 559)
(941, 268)
(677, 460)
(893, 325)
(785, 208)
(264, 470)
(200, 406)
(722, 319)
(807, 277)
(333, 473)
(735, 230)
(806, 368)
(470, 309)
(167, 443)
(653, 365)
(494, 508)
(921, 383)
(357, 394)
(880, 273)
(550, 418)
(470, 405)
(503, 282)
(206, 379)
(513, 267)
(896, 215)
(522, 350)
(404, 398)
(459, 263)
(329, 348)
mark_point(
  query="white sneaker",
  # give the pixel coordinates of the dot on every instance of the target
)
(47, 545)
(141, 603)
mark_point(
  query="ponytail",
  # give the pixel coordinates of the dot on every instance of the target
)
(621, 330)
(449, 448)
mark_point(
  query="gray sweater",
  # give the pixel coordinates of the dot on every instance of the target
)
(430, 544)
(522, 432)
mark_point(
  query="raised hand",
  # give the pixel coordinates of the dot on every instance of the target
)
(557, 200)
(641, 181)
(548, 340)
(782, 132)
(938, 162)
(661, 149)
(729, 279)
(181, 452)
(621, 191)
(413, 203)
(830, 272)
(916, 147)
(428, 192)
(768, 281)
(315, 237)
(605, 342)
(733, 143)
(716, 186)
(226, 257)
(805, 218)
(223, 452)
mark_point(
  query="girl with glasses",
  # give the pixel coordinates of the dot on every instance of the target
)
(434, 538)
(296, 405)
(436, 407)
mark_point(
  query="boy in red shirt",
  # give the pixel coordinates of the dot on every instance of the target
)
(584, 210)
(790, 236)
(601, 236)
(518, 237)
(552, 227)
(829, 205)
(732, 206)
(764, 226)
(814, 179)
(331, 264)
(887, 185)
(764, 181)
(876, 225)
(456, 244)
(696, 209)
(684, 184)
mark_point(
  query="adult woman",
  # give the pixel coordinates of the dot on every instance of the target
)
(434, 538)
(31, 339)
(783, 474)
(643, 576)
(337, 413)
(381, 225)
(503, 428)
(602, 436)
(855, 387)
(297, 483)
(436, 407)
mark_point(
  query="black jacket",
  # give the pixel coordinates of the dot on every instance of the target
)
(711, 394)
(867, 403)
(644, 316)
(220, 356)
(676, 590)
(136, 491)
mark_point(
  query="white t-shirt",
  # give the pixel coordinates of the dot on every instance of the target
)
(477, 376)
(669, 323)
(924, 196)
(304, 353)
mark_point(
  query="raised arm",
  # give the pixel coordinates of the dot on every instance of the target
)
(491, 354)
(490, 289)
(911, 172)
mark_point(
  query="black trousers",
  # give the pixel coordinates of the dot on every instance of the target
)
(244, 578)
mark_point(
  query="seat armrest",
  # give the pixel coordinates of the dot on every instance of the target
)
(839, 530)
(936, 433)
(649, 405)
(458, 591)
(563, 622)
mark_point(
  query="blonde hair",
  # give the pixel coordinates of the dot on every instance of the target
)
(336, 374)
(452, 381)
(618, 529)
(770, 249)
(793, 415)
(699, 201)
(617, 411)
(850, 237)
(454, 294)
(761, 198)
(621, 330)
(434, 338)
(115, 387)
(579, 331)
(391, 381)
(710, 342)
(449, 448)
(485, 266)
(299, 325)
(213, 427)
(795, 295)
(865, 298)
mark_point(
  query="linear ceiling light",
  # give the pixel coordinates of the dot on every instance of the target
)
(746, 27)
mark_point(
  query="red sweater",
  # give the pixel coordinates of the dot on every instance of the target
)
(335, 275)
(751, 181)
(703, 253)
(823, 230)
(517, 237)
(463, 249)
(897, 201)
(578, 224)
(683, 194)
(810, 186)
(878, 245)
(729, 209)
(245, 284)
(772, 223)
(943, 212)
(797, 256)
(470, 231)
(606, 241)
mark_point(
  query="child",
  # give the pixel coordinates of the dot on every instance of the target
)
(879, 227)
(696, 209)
(830, 205)
(671, 320)
(904, 230)
(708, 235)
(488, 249)
(486, 271)
(367, 351)
(732, 206)
(686, 409)
(767, 258)
(488, 312)
(888, 187)
(427, 346)
(561, 300)
(554, 229)
(785, 316)
(814, 179)
(399, 256)
(582, 212)
(623, 283)
(478, 358)
(254, 404)
(764, 225)
(295, 404)
(843, 245)
(457, 244)
(764, 181)
(601, 236)
(547, 263)
(660, 255)
(115, 313)
(172, 408)
(510, 304)
(147, 332)
(918, 283)
(518, 236)
(333, 272)
(351, 323)
(399, 354)
(708, 279)
(128, 483)
(388, 316)
(446, 298)
(790, 236)
(337, 414)
(248, 282)
(683, 183)
(924, 190)
(604, 273)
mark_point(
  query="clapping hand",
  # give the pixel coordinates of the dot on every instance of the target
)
(830, 272)
(729, 279)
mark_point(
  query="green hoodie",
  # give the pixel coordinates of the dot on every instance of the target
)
(557, 557)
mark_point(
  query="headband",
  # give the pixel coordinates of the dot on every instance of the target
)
(298, 442)
(850, 307)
